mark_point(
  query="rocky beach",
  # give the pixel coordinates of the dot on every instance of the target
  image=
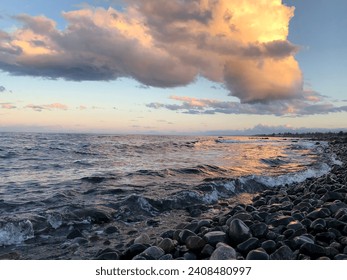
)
(301, 221)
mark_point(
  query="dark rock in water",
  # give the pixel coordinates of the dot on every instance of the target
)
(319, 213)
(167, 244)
(326, 236)
(224, 252)
(281, 221)
(214, 237)
(283, 253)
(195, 243)
(269, 246)
(153, 252)
(184, 234)
(248, 245)
(134, 250)
(257, 254)
(97, 216)
(167, 257)
(331, 196)
(142, 239)
(335, 206)
(312, 250)
(318, 224)
(111, 230)
(238, 231)
(74, 233)
(259, 230)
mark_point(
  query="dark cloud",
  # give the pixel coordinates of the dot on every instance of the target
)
(2, 89)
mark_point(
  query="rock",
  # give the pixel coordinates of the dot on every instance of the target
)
(224, 252)
(298, 241)
(134, 250)
(167, 244)
(318, 224)
(153, 252)
(248, 245)
(312, 250)
(107, 254)
(207, 250)
(238, 231)
(243, 216)
(167, 257)
(331, 196)
(195, 243)
(193, 226)
(281, 221)
(295, 225)
(331, 252)
(111, 230)
(142, 239)
(340, 257)
(74, 233)
(327, 237)
(10, 256)
(257, 254)
(214, 237)
(189, 256)
(269, 246)
(283, 253)
(259, 230)
(97, 216)
(184, 234)
(319, 213)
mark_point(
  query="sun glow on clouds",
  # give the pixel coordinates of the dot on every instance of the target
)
(242, 44)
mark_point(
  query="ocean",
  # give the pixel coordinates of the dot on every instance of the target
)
(50, 183)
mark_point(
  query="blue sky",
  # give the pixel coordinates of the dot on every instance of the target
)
(144, 67)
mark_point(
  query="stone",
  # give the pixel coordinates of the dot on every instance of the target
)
(134, 250)
(318, 224)
(224, 252)
(298, 241)
(142, 239)
(319, 213)
(74, 233)
(331, 252)
(295, 225)
(283, 253)
(259, 230)
(248, 245)
(269, 246)
(189, 256)
(107, 254)
(207, 250)
(195, 243)
(168, 234)
(154, 252)
(332, 196)
(281, 221)
(167, 244)
(97, 216)
(184, 234)
(214, 237)
(243, 216)
(111, 230)
(10, 256)
(340, 257)
(167, 257)
(327, 237)
(238, 231)
(257, 254)
(312, 250)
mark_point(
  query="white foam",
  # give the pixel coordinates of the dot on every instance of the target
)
(55, 220)
(15, 232)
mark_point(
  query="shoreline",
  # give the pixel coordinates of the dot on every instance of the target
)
(306, 220)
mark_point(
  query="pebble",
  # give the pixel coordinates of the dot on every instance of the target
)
(224, 252)
(214, 237)
(283, 253)
(142, 239)
(238, 231)
(257, 254)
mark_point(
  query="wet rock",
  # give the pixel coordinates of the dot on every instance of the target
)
(331, 252)
(295, 225)
(195, 243)
(319, 213)
(167, 244)
(327, 237)
(97, 216)
(281, 221)
(243, 216)
(184, 234)
(248, 245)
(283, 253)
(331, 196)
(134, 250)
(168, 234)
(214, 237)
(207, 250)
(224, 252)
(340, 257)
(318, 224)
(10, 256)
(312, 250)
(153, 253)
(111, 230)
(107, 254)
(238, 231)
(259, 230)
(74, 233)
(167, 257)
(142, 239)
(257, 254)
(189, 256)
(298, 241)
(269, 246)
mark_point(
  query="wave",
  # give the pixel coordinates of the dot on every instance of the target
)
(15, 232)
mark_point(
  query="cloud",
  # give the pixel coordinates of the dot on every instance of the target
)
(242, 44)
(49, 107)
(2, 89)
(7, 106)
(309, 103)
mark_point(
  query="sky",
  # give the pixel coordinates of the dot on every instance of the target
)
(173, 67)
